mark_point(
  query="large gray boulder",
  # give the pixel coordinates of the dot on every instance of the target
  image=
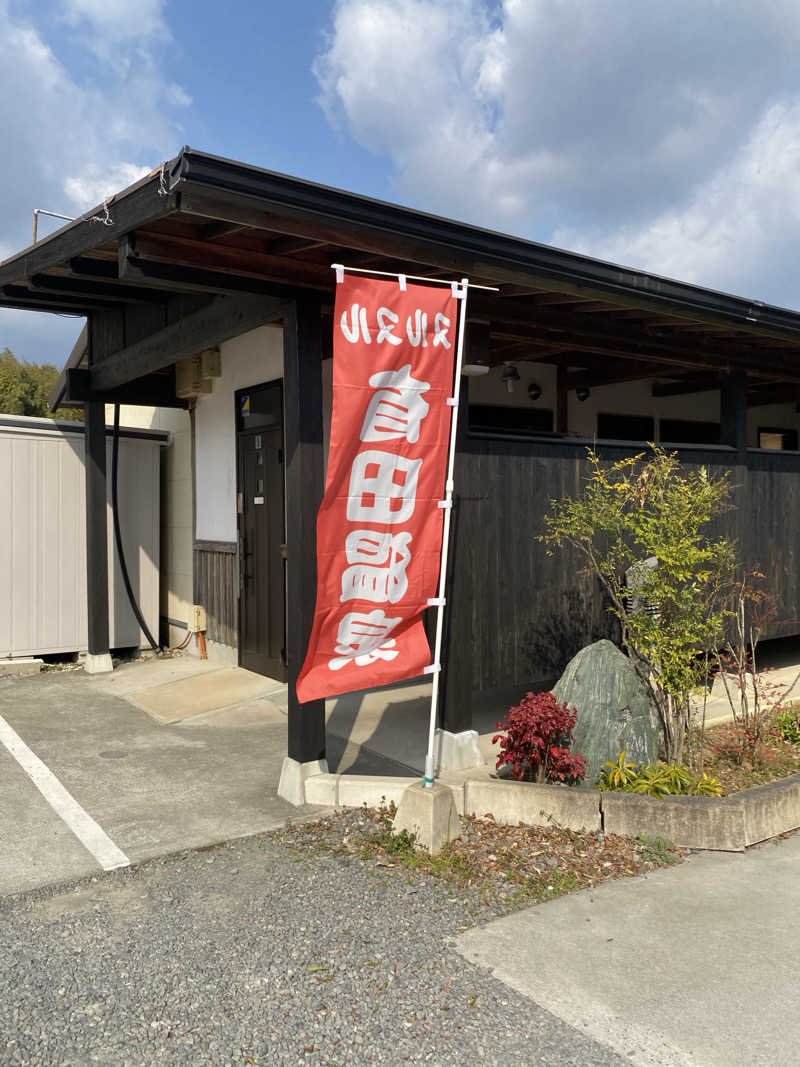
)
(614, 710)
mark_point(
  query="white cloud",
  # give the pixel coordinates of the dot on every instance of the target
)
(662, 134)
(97, 183)
(746, 214)
(69, 143)
(120, 19)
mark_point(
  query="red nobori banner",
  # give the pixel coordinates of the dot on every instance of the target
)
(379, 528)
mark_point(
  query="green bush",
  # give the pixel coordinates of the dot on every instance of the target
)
(656, 779)
(788, 724)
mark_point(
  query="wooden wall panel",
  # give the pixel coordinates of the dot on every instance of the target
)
(216, 587)
(530, 612)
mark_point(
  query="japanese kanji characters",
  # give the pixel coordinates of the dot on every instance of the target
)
(379, 530)
(383, 487)
(355, 327)
(363, 638)
(378, 566)
(397, 408)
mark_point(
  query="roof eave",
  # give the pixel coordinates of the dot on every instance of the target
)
(308, 198)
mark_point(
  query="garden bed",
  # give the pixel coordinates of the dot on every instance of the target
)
(503, 866)
(730, 823)
(738, 765)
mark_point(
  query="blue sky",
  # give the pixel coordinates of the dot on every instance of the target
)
(663, 135)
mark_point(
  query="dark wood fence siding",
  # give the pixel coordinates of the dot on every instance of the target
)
(530, 612)
(769, 523)
(216, 587)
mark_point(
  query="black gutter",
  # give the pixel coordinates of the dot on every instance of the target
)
(76, 357)
(279, 191)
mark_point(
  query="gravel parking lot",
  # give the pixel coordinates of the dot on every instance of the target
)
(256, 953)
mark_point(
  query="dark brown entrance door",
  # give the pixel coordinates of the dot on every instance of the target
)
(260, 497)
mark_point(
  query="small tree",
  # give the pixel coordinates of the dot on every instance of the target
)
(641, 508)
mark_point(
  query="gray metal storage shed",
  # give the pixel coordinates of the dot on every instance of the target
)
(43, 536)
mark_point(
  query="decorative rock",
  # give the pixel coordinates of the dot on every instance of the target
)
(614, 710)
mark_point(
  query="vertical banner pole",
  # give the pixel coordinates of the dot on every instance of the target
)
(430, 773)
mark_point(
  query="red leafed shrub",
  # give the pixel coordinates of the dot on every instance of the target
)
(536, 738)
(742, 743)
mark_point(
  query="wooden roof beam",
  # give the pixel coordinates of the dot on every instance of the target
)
(191, 264)
(212, 231)
(604, 337)
(611, 374)
(23, 298)
(283, 246)
(691, 383)
(773, 394)
(217, 321)
(95, 290)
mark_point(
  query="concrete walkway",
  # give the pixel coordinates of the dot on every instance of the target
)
(150, 789)
(690, 967)
(159, 756)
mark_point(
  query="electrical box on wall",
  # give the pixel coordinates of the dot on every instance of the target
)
(194, 376)
(211, 363)
(197, 618)
(189, 380)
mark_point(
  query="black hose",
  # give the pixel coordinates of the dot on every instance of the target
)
(118, 535)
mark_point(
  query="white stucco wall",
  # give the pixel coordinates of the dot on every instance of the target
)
(248, 360)
(176, 506)
(626, 398)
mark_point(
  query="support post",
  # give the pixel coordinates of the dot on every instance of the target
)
(457, 743)
(105, 333)
(733, 411)
(99, 656)
(457, 652)
(302, 381)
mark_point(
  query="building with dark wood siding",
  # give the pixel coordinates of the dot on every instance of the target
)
(208, 259)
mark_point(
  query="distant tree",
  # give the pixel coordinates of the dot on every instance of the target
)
(25, 388)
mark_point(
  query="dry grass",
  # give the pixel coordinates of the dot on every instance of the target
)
(740, 761)
(508, 865)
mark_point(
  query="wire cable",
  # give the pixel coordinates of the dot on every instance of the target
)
(118, 535)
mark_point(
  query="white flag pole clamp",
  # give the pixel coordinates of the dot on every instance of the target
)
(339, 268)
(401, 281)
(444, 504)
(436, 601)
(432, 668)
(452, 401)
(459, 291)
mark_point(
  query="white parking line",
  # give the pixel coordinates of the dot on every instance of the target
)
(91, 836)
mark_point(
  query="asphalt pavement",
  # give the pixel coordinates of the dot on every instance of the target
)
(75, 748)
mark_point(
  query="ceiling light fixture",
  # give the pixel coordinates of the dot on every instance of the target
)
(510, 376)
(475, 368)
